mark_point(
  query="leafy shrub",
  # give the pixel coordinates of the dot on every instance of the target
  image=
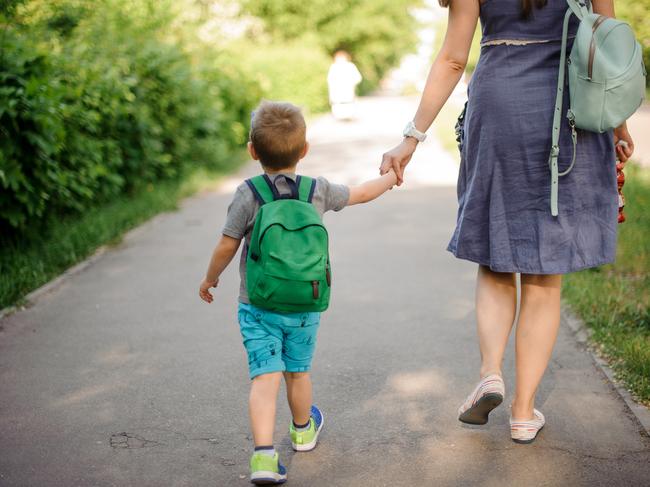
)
(637, 13)
(376, 32)
(103, 97)
(291, 71)
(105, 107)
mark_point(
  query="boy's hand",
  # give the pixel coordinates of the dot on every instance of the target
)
(204, 290)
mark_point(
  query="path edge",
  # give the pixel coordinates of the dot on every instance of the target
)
(582, 335)
(31, 298)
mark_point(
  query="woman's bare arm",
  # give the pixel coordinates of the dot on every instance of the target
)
(444, 75)
(604, 7)
(449, 65)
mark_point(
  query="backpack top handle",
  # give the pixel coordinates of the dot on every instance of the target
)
(580, 7)
(265, 190)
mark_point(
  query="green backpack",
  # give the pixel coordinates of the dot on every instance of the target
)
(606, 81)
(287, 266)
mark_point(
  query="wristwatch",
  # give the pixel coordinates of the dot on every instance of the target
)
(411, 131)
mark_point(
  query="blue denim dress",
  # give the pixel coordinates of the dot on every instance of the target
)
(504, 219)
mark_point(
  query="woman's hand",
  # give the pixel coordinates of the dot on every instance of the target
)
(623, 143)
(398, 157)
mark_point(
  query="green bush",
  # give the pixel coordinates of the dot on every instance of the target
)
(100, 104)
(99, 98)
(376, 32)
(291, 71)
(637, 13)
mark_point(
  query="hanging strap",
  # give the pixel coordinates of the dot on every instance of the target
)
(557, 118)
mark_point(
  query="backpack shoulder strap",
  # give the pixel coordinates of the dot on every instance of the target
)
(306, 188)
(262, 188)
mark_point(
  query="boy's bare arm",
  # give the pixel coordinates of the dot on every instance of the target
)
(221, 256)
(372, 189)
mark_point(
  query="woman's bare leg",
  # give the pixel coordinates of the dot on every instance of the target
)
(539, 321)
(496, 305)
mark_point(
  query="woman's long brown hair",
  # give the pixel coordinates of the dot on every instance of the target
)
(526, 5)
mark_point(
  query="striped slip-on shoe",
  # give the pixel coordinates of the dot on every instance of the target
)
(525, 431)
(487, 395)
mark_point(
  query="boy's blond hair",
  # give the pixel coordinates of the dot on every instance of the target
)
(278, 134)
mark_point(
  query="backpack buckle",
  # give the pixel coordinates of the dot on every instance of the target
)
(571, 117)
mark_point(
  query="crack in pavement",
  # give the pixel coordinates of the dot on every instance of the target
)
(131, 441)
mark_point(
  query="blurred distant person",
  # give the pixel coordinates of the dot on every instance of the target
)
(342, 79)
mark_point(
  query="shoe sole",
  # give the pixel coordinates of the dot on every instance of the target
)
(268, 478)
(312, 444)
(479, 412)
(527, 442)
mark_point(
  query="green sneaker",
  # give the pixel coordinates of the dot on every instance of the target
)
(266, 470)
(306, 440)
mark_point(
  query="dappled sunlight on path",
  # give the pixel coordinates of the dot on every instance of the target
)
(350, 152)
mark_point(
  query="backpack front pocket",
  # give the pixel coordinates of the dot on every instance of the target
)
(295, 266)
(293, 280)
(287, 296)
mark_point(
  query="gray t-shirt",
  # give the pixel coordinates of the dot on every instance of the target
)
(244, 206)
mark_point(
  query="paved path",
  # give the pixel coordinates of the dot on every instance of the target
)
(122, 377)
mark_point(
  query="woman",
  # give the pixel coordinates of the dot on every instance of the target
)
(504, 221)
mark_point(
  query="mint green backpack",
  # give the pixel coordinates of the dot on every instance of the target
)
(606, 80)
(287, 266)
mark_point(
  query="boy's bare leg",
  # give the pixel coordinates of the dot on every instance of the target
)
(496, 304)
(539, 321)
(262, 406)
(299, 395)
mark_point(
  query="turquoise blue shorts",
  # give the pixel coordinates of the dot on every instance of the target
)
(277, 342)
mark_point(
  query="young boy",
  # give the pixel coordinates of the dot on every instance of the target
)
(277, 140)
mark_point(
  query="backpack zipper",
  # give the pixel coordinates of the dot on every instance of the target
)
(592, 47)
(320, 225)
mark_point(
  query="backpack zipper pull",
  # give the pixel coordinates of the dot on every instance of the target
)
(314, 287)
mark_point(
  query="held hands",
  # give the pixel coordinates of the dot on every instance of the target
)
(204, 290)
(398, 157)
(623, 142)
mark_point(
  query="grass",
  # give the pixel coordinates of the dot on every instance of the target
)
(29, 263)
(614, 300)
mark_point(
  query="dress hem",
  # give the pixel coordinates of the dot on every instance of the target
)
(513, 269)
